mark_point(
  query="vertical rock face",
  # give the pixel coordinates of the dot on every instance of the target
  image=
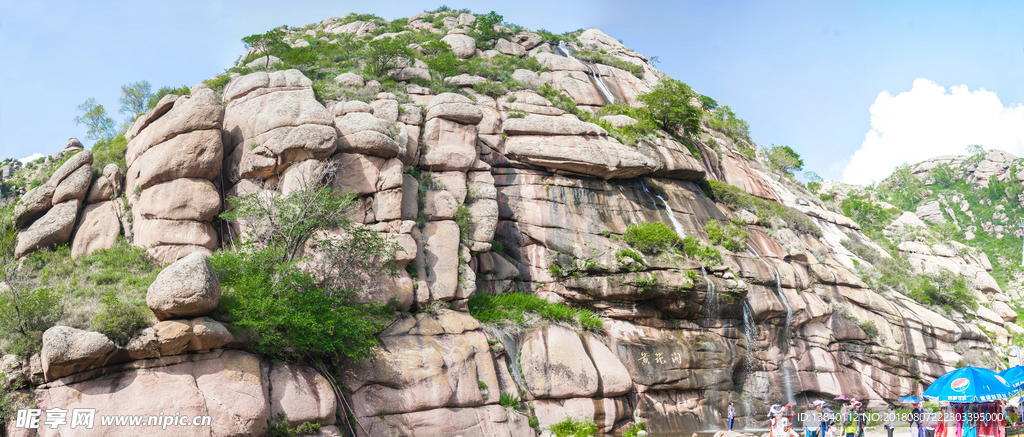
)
(171, 165)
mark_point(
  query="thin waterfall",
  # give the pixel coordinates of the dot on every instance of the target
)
(750, 333)
(672, 217)
(564, 51)
(784, 347)
(648, 193)
(711, 302)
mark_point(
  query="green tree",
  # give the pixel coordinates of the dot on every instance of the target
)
(485, 34)
(383, 54)
(669, 104)
(163, 91)
(784, 159)
(296, 279)
(94, 116)
(266, 43)
(441, 60)
(134, 99)
(814, 181)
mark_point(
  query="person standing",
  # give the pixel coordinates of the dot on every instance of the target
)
(732, 415)
(812, 422)
(862, 419)
(774, 414)
(889, 421)
(915, 421)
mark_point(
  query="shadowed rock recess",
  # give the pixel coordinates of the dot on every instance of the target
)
(551, 178)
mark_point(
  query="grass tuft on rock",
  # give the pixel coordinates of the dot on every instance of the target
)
(520, 309)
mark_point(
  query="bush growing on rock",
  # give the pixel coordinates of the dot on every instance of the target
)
(382, 54)
(120, 320)
(669, 104)
(294, 279)
(517, 309)
(767, 211)
(728, 235)
(651, 237)
(574, 427)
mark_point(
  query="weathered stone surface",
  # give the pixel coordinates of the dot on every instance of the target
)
(605, 412)
(75, 186)
(300, 176)
(170, 253)
(356, 172)
(101, 190)
(199, 111)
(187, 288)
(484, 221)
(69, 350)
(387, 205)
(534, 124)
(349, 79)
(180, 199)
(174, 232)
(370, 143)
(556, 365)
(454, 107)
(98, 228)
(33, 205)
(229, 386)
(192, 155)
(426, 370)
(614, 377)
(448, 145)
(386, 109)
(464, 46)
(439, 205)
(301, 394)
(51, 229)
(559, 63)
(79, 160)
(442, 258)
(598, 156)
(509, 48)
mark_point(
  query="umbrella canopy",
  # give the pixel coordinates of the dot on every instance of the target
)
(910, 399)
(1014, 376)
(969, 384)
(819, 402)
(843, 398)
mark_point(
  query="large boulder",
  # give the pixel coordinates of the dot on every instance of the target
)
(441, 255)
(75, 186)
(68, 350)
(454, 107)
(101, 190)
(33, 205)
(534, 124)
(300, 394)
(448, 145)
(196, 154)
(598, 156)
(556, 365)
(79, 160)
(201, 110)
(98, 228)
(463, 45)
(51, 229)
(180, 199)
(187, 288)
(229, 386)
(159, 232)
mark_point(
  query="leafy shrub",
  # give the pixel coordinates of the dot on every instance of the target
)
(312, 312)
(730, 236)
(163, 91)
(518, 308)
(120, 320)
(572, 427)
(462, 218)
(766, 210)
(694, 248)
(637, 261)
(646, 128)
(382, 54)
(509, 401)
(219, 83)
(25, 314)
(492, 89)
(871, 217)
(633, 429)
(110, 151)
(280, 427)
(869, 328)
(651, 237)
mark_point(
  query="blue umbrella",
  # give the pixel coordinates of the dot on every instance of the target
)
(910, 399)
(1014, 376)
(969, 384)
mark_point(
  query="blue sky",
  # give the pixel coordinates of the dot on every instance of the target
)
(805, 74)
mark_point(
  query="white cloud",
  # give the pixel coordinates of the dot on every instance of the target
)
(926, 122)
(31, 158)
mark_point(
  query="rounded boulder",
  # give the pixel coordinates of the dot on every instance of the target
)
(187, 288)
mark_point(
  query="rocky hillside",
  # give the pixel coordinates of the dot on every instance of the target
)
(580, 236)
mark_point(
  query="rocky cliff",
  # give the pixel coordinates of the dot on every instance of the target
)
(547, 187)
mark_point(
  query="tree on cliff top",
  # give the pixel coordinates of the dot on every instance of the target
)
(383, 54)
(266, 43)
(669, 104)
(94, 116)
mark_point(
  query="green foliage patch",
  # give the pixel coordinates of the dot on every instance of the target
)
(517, 309)
(574, 427)
(767, 211)
(729, 235)
(651, 237)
